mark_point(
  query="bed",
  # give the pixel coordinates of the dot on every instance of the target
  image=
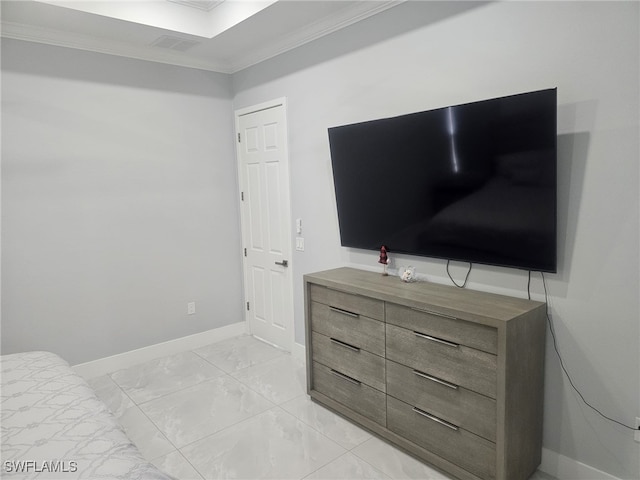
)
(54, 426)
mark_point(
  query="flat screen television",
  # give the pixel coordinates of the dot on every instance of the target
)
(474, 182)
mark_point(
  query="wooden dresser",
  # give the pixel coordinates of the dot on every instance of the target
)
(453, 376)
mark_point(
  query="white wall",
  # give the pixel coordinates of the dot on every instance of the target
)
(412, 58)
(119, 202)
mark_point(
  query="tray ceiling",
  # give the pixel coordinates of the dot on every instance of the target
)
(217, 35)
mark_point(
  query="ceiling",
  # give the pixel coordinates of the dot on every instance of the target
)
(217, 35)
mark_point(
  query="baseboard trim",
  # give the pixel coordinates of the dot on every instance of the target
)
(106, 365)
(553, 463)
(565, 468)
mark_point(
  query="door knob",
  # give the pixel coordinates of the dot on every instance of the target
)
(283, 263)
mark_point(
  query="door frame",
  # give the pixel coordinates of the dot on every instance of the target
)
(282, 101)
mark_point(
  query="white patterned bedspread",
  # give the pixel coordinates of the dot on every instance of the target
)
(54, 426)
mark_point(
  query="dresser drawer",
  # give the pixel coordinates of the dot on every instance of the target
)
(355, 395)
(356, 363)
(357, 330)
(449, 328)
(471, 452)
(464, 408)
(448, 361)
(356, 304)
(458, 382)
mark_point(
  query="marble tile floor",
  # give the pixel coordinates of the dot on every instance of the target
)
(238, 409)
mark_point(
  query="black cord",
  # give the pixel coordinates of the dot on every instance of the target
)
(555, 346)
(529, 286)
(465, 278)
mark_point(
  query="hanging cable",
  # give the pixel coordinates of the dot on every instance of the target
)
(555, 346)
(465, 278)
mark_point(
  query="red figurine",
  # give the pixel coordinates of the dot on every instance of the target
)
(384, 259)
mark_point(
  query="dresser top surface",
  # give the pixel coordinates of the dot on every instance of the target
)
(470, 303)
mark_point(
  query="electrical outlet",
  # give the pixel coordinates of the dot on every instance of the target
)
(636, 435)
(191, 308)
(300, 244)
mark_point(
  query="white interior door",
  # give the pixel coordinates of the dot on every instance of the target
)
(264, 184)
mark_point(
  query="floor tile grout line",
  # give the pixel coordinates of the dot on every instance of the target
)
(355, 450)
(344, 454)
(271, 407)
(119, 388)
(314, 429)
(224, 372)
(258, 392)
(279, 354)
(134, 404)
(348, 449)
(139, 405)
(177, 450)
(274, 405)
(157, 427)
(321, 467)
(181, 389)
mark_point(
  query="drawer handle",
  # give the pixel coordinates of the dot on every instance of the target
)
(436, 379)
(435, 339)
(344, 312)
(437, 314)
(345, 377)
(344, 344)
(435, 419)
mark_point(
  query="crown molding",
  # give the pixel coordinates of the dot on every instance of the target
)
(327, 25)
(30, 33)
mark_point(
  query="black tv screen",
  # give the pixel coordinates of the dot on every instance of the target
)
(473, 182)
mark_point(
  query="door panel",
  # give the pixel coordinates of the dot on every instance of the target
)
(255, 214)
(274, 208)
(263, 167)
(259, 294)
(279, 296)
